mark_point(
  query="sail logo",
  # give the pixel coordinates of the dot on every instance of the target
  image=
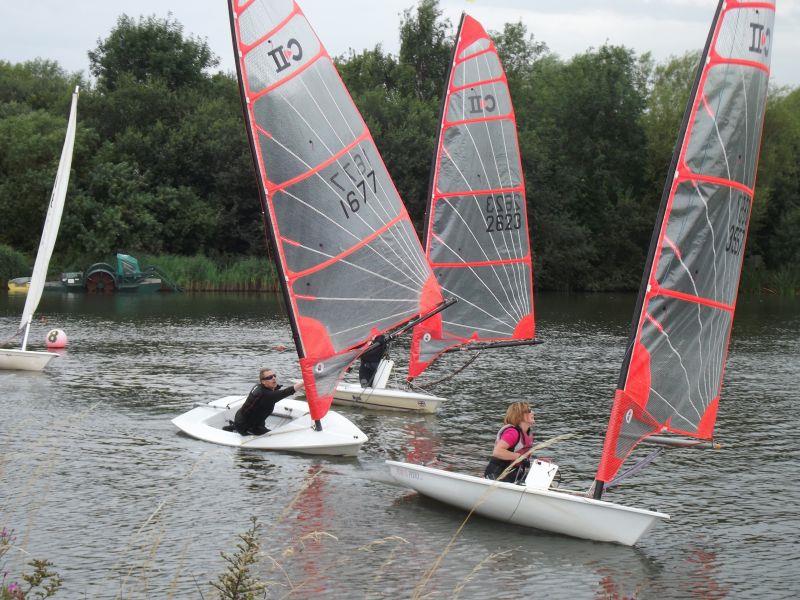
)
(283, 54)
(760, 39)
(478, 104)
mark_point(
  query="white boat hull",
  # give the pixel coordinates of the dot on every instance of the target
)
(545, 509)
(352, 394)
(24, 360)
(290, 424)
(381, 397)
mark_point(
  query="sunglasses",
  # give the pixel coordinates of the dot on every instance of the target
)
(268, 377)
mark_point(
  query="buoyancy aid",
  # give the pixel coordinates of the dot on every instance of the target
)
(524, 442)
(496, 465)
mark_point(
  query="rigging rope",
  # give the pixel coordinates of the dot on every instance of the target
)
(426, 387)
(15, 334)
(635, 468)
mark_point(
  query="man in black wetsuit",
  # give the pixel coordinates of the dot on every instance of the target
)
(250, 418)
(370, 361)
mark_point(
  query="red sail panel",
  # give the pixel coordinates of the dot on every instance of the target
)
(476, 229)
(671, 378)
(350, 261)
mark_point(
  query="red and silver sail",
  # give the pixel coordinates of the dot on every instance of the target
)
(476, 225)
(350, 262)
(672, 373)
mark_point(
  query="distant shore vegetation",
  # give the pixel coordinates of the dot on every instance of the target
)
(162, 166)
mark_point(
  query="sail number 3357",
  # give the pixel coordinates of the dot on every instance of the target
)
(737, 230)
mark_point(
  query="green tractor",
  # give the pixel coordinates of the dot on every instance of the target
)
(102, 278)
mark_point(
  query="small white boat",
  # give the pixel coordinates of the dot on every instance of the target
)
(385, 398)
(534, 504)
(291, 428)
(24, 359)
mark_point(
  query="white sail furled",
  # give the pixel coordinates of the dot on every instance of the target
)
(52, 221)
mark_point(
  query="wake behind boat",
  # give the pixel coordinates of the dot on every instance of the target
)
(290, 424)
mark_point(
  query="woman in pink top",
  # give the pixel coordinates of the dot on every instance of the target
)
(513, 440)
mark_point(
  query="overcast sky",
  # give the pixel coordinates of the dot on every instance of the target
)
(64, 30)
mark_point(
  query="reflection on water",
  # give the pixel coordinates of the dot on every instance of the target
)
(94, 477)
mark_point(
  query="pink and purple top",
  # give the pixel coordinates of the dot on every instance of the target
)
(510, 435)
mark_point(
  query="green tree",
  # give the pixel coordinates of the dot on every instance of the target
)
(425, 50)
(666, 103)
(151, 48)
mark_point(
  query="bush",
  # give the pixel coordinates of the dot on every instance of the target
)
(12, 264)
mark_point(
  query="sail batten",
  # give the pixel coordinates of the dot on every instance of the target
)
(476, 226)
(672, 374)
(350, 263)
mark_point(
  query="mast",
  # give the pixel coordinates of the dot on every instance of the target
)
(262, 192)
(671, 376)
(435, 157)
(476, 227)
(52, 222)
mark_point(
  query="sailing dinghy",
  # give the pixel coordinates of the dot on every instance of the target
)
(29, 360)
(350, 263)
(671, 378)
(476, 225)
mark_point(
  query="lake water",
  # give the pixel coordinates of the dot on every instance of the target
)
(94, 477)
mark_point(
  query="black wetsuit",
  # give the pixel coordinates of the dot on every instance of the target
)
(370, 361)
(260, 403)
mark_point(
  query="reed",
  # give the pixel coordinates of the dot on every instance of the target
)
(12, 264)
(784, 281)
(229, 274)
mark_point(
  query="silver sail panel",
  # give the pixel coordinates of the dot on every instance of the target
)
(671, 378)
(476, 233)
(351, 263)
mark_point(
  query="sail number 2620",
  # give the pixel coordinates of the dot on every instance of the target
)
(363, 180)
(502, 212)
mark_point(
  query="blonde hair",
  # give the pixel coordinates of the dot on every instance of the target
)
(516, 412)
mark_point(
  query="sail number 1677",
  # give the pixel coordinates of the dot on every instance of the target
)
(363, 180)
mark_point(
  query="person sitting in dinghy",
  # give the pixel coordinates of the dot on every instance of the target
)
(513, 440)
(370, 361)
(251, 418)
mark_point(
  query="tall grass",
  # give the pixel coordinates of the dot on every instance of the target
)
(200, 273)
(12, 264)
(784, 281)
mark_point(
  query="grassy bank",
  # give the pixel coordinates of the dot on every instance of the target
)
(258, 274)
(12, 264)
(781, 282)
(200, 273)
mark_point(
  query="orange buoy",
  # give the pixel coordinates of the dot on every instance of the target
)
(56, 338)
